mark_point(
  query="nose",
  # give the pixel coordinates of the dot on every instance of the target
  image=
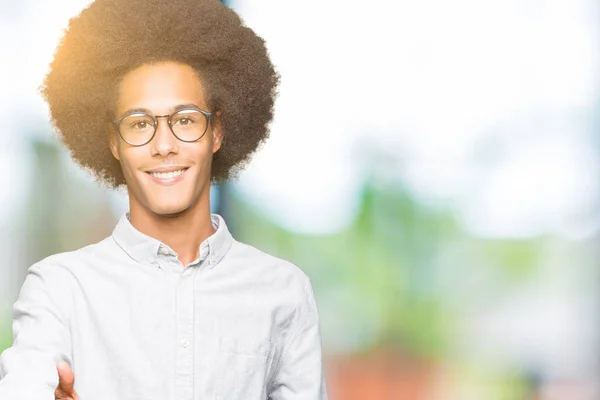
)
(164, 142)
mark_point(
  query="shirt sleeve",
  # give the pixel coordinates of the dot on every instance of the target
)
(300, 373)
(40, 339)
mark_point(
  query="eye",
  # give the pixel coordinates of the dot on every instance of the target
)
(184, 121)
(141, 124)
(137, 123)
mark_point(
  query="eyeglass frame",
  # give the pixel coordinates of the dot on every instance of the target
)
(208, 115)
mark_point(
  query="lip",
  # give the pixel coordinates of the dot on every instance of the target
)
(169, 168)
(169, 181)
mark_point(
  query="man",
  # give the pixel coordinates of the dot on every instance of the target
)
(163, 98)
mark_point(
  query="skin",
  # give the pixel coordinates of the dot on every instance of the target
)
(66, 381)
(178, 215)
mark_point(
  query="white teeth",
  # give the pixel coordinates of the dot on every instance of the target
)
(167, 175)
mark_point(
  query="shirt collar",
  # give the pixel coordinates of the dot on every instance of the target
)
(144, 249)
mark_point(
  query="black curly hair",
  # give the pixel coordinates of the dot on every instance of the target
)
(111, 37)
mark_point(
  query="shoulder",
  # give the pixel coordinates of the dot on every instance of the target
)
(53, 279)
(70, 262)
(286, 286)
(251, 257)
(268, 274)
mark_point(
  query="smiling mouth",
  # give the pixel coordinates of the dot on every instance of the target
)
(168, 175)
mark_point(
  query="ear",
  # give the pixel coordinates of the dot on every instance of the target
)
(217, 132)
(113, 143)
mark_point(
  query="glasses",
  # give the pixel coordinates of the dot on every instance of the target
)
(138, 128)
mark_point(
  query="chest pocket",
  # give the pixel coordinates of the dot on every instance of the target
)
(243, 365)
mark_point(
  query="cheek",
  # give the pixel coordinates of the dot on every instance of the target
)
(208, 155)
(201, 154)
(128, 157)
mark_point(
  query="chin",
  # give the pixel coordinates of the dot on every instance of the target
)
(168, 210)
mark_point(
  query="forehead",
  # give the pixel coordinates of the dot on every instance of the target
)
(160, 87)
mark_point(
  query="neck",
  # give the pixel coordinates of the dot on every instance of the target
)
(183, 232)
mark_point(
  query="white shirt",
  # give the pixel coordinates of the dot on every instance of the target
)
(134, 324)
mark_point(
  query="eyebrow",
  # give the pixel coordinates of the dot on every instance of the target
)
(172, 110)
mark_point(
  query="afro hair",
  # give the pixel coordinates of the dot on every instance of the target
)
(111, 37)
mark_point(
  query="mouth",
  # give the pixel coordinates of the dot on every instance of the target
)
(167, 177)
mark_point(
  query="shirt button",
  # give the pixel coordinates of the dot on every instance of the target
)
(184, 343)
(163, 250)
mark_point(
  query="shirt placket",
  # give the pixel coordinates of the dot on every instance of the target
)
(184, 373)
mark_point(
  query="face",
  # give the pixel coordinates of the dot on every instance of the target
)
(153, 172)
